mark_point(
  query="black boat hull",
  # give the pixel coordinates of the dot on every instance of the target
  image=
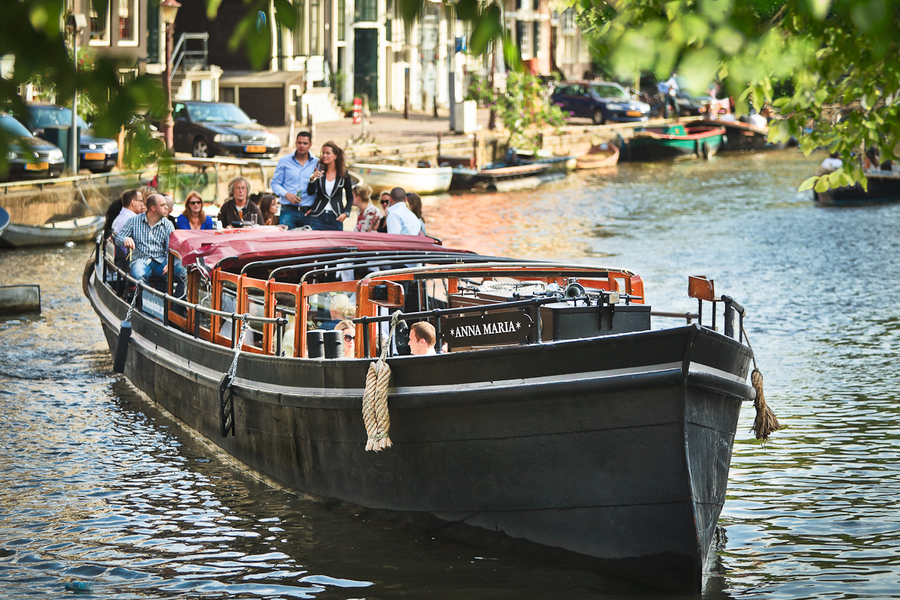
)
(612, 450)
(880, 189)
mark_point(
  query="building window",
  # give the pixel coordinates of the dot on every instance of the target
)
(314, 24)
(128, 24)
(342, 20)
(567, 20)
(99, 26)
(523, 40)
(367, 10)
(537, 38)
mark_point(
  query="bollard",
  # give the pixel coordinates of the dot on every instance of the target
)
(314, 343)
(332, 343)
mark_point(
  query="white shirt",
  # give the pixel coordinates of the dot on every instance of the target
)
(402, 220)
(759, 121)
(329, 186)
(832, 164)
(120, 221)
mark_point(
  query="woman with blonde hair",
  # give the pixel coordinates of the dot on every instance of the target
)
(370, 216)
(238, 209)
(194, 217)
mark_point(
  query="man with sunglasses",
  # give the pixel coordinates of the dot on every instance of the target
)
(291, 181)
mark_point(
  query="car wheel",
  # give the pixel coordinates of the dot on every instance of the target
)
(598, 117)
(200, 149)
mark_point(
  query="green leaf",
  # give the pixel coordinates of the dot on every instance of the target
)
(284, 14)
(808, 184)
(212, 8)
(699, 68)
(822, 185)
(818, 8)
(487, 28)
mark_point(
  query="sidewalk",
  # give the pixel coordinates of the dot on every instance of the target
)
(383, 128)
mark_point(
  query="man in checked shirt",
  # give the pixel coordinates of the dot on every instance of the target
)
(147, 236)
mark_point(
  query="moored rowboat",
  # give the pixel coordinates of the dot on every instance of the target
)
(421, 180)
(556, 421)
(598, 157)
(673, 142)
(73, 230)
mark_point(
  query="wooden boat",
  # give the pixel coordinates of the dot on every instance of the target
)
(421, 180)
(598, 157)
(556, 421)
(882, 186)
(494, 179)
(673, 142)
(82, 229)
(740, 136)
(17, 299)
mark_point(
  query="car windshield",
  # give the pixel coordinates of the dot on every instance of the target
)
(13, 127)
(612, 92)
(217, 113)
(53, 116)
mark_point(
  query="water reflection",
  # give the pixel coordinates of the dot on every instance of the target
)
(97, 484)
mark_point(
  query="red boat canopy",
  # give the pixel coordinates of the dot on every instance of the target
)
(263, 243)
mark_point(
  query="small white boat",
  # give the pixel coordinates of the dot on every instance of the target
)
(421, 180)
(82, 229)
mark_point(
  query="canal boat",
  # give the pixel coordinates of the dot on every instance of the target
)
(673, 142)
(555, 418)
(600, 156)
(494, 179)
(421, 180)
(742, 137)
(82, 229)
(883, 186)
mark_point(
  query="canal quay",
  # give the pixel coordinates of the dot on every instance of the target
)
(101, 486)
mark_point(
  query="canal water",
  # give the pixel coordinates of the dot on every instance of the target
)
(99, 486)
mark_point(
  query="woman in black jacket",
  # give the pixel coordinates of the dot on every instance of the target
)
(333, 190)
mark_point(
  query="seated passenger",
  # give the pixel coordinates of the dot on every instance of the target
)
(194, 217)
(349, 337)
(132, 204)
(832, 163)
(148, 236)
(422, 338)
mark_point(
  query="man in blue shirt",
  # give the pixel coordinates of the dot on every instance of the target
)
(291, 181)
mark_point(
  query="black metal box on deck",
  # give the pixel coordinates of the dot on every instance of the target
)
(562, 321)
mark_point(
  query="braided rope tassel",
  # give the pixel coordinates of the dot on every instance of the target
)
(374, 406)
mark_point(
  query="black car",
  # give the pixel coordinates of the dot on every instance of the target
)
(98, 155)
(207, 129)
(27, 156)
(600, 101)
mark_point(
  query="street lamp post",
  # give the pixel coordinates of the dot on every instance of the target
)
(168, 9)
(75, 23)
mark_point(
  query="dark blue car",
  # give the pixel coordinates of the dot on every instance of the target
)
(98, 155)
(600, 101)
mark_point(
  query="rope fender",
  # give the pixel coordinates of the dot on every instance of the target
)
(374, 405)
(765, 423)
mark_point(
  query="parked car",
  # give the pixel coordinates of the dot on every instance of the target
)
(600, 101)
(98, 155)
(207, 129)
(27, 156)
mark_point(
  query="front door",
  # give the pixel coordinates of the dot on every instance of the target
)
(365, 59)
